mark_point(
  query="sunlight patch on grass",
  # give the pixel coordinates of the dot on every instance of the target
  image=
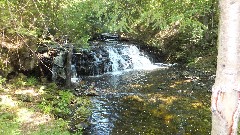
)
(6, 100)
(41, 89)
(33, 118)
(29, 91)
(24, 115)
(30, 121)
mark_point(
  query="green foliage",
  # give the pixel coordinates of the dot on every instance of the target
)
(191, 24)
(46, 106)
(83, 42)
(48, 99)
(81, 113)
(8, 124)
(4, 68)
(61, 103)
(52, 86)
(31, 81)
(2, 81)
(24, 97)
(7, 116)
(61, 106)
(21, 80)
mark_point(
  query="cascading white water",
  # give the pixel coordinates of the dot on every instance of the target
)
(128, 57)
(110, 58)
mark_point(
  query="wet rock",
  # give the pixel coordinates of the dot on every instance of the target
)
(84, 92)
(92, 93)
(79, 92)
(109, 37)
(94, 61)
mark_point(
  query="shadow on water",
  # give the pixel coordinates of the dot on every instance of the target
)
(170, 101)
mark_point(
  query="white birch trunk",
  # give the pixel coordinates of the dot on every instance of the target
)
(226, 90)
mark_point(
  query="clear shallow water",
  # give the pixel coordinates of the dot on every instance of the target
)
(162, 101)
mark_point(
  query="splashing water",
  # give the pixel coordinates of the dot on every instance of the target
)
(125, 57)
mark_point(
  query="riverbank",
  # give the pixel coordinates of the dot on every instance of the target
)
(37, 107)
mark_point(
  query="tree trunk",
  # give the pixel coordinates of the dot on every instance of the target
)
(68, 66)
(226, 90)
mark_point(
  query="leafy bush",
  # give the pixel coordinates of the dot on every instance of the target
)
(2, 81)
(31, 81)
(61, 105)
(46, 106)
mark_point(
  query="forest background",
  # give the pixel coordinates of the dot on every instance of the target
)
(185, 31)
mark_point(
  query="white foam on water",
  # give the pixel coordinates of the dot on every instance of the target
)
(129, 57)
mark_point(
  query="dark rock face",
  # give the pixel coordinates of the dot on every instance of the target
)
(92, 62)
(14, 60)
(52, 61)
(59, 67)
(106, 37)
(109, 37)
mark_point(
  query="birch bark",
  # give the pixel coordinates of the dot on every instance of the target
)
(226, 90)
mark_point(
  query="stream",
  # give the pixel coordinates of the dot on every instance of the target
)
(134, 96)
(162, 101)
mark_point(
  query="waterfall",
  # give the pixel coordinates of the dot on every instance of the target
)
(110, 58)
(128, 57)
(99, 59)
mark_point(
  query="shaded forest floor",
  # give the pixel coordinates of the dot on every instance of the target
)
(30, 107)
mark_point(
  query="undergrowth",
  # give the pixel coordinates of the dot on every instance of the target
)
(28, 106)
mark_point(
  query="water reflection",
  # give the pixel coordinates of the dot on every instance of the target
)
(163, 101)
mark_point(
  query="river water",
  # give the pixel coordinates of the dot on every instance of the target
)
(163, 101)
(141, 98)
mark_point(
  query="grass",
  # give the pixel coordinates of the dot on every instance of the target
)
(8, 124)
(28, 107)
